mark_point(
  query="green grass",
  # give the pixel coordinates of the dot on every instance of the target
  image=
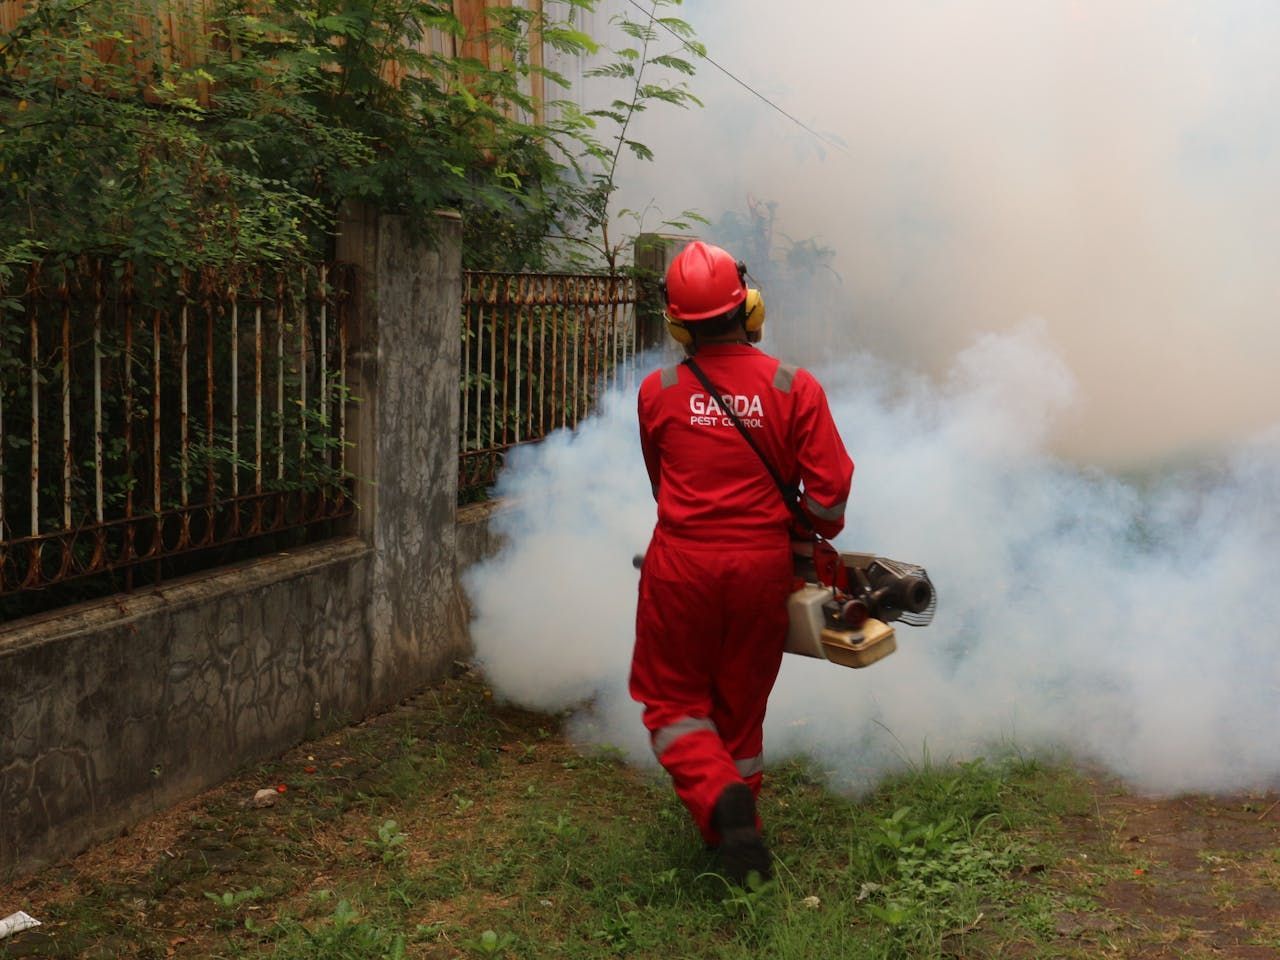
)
(456, 828)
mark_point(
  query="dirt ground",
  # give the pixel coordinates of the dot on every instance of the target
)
(1203, 876)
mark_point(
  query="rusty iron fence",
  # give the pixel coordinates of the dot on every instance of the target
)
(538, 352)
(144, 419)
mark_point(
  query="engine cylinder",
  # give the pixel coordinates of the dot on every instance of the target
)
(910, 594)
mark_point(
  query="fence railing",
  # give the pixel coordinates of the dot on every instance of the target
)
(538, 351)
(143, 419)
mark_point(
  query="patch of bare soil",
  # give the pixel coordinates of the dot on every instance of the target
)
(1183, 877)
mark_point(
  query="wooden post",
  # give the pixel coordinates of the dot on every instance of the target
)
(653, 253)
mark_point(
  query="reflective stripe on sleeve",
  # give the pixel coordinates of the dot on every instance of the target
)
(664, 737)
(670, 376)
(783, 376)
(832, 513)
(750, 766)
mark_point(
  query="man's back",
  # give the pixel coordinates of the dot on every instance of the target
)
(709, 483)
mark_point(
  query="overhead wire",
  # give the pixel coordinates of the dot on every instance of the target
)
(738, 80)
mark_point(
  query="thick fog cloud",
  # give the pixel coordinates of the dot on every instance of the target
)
(1134, 626)
(1050, 348)
(1108, 167)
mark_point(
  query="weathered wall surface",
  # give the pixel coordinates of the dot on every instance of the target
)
(117, 708)
(124, 707)
(415, 601)
(476, 539)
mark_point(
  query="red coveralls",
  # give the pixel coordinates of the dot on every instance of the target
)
(712, 619)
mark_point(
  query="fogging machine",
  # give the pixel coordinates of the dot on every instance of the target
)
(844, 603)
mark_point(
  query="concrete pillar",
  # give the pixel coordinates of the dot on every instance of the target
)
(406, 371)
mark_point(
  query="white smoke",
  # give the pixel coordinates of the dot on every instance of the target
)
(1131, 624)
(1107, 167)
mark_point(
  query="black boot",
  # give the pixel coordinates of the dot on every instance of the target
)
(742, 849)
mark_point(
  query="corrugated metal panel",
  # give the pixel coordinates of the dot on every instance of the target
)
(170, 31)
(176, 31)
(10, 14)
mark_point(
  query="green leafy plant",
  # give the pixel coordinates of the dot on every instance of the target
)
(231, 899)
(918, 864)
(618, 930)
(156, 173)
(490, 943)
(229, 903)
(562, 828)
(241, 146)
(347, 936)
(652, 66)
(389, 844)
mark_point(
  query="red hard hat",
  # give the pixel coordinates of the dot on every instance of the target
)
(702, 282)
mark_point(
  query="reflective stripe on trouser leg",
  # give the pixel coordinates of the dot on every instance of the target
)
(664, 737)
(700, 769)
(750, 766)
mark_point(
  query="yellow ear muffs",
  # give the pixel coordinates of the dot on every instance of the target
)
(679, 332)
(753, 315)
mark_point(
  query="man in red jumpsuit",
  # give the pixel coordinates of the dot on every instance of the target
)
(712, 615)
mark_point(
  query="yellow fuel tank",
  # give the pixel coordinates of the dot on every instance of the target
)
(811, 635)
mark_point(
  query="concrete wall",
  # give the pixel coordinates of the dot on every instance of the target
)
(476, 538)
(114, 709)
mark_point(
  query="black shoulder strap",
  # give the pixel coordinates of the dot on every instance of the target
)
(790, 494)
